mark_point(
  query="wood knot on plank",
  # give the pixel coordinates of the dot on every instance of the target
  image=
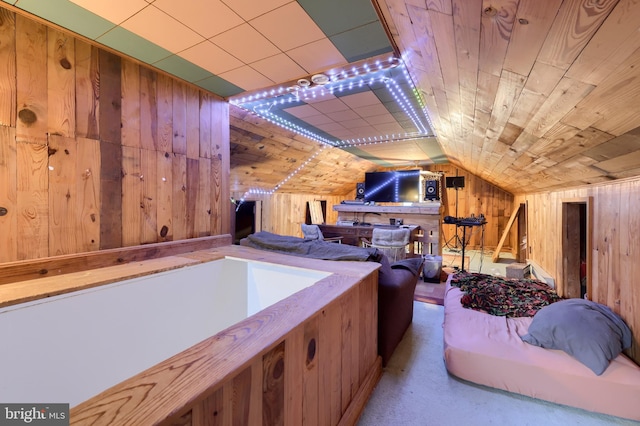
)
(311, 351)
(278, 369)
(27, 116)
(64, 63)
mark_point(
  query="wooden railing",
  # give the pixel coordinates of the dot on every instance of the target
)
(311, 357)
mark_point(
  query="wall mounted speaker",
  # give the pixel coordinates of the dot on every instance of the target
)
(454, 182)
(431, 190)
(360, 191)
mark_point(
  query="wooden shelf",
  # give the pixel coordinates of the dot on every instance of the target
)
(424, 208)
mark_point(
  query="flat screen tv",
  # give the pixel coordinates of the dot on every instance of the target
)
(400, 186)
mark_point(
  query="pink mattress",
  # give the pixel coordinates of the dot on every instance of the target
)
(487, 350)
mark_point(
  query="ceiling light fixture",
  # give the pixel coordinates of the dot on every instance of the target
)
(320, 79)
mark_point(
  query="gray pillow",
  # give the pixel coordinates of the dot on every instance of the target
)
(590, 332)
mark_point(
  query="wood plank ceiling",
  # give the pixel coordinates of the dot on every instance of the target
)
(530, 95)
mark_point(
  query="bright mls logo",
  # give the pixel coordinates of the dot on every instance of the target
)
(34, 414)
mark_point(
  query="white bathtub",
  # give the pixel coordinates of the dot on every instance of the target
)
(71, 347)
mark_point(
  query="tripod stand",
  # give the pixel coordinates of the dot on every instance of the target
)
(457, 241)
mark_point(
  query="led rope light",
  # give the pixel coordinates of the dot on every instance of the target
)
(358, 77)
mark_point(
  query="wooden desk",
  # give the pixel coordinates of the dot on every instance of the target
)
(425, 215)
(353, 235)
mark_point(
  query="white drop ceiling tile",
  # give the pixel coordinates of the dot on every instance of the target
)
(278, 68)
(249, 9)
(206, 17)
(245, 43)
(246, 78)
(159, 28)
(371, 110)
(318, 55)
(381, 119)
(333, 105)
(330, 127)
(343, 115)
(343, 134)
(361, 99)
(358, 122)
(210, 57)
(390, 128)
(302, 111)
(115, 11)
(315, 120)
(364, 131)
(288, 26)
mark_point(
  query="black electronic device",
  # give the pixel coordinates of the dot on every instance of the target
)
(394, 186)
(451, 220)
(360, 191)
(431, 190)
(473, 220)
(357, 202)
(456, 182)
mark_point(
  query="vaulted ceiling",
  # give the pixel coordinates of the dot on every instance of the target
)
(530, 95)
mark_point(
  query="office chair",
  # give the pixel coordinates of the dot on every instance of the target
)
(313, 232)
(392, 242)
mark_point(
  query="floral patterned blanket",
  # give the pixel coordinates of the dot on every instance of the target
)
(503, 297)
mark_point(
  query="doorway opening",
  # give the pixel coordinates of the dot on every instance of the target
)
(245, 220)
(576, 247)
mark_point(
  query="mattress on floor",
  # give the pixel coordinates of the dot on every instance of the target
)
(487, 350)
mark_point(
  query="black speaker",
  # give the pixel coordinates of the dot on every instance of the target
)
(360, 191)
(454, 182)
(431, 190)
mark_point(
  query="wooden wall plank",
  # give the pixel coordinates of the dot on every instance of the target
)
(294, 366)
(87, 89)
(110, 97)
(179, 196)
(242, 386)
(179, 118)
(311, 373)
(8, 88)
(61, 97)
(192, 122)
(204, 206)
(347, 335)
(132, 188)
(149, 203)
(8, 194)
(329, 343)
(273, 390)
(191, 199)
(31, 80)
(210, 411)
(164, 92)
(130, 111)
(88, 190)
(148, 109)
(32, 200)
(69, 88)
(220, 169)
(205, 125)
(110, 195)
(165, 196)
(63, 178)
